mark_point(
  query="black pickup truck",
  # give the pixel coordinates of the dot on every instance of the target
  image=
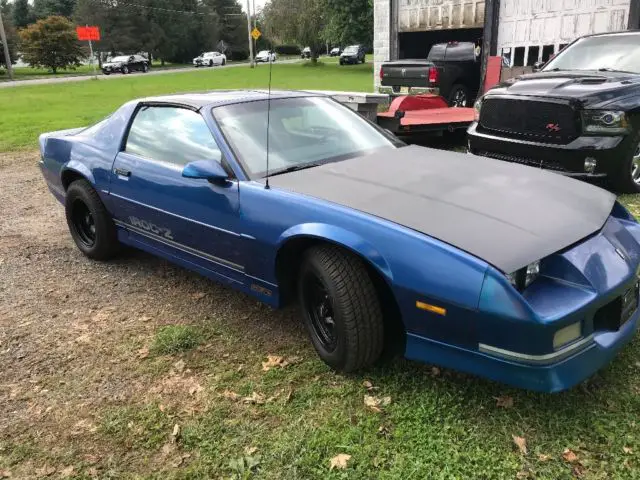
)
(451, 70)
(579, 115)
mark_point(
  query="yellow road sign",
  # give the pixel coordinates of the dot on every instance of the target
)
(255, 33)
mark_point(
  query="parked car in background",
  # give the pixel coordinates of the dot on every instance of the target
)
(210, 59)
(126, 64)
(504, 271)
(577, 116)
(451, 70)
(335, 52)
(266, 56)
(353, 54)
(306, 52)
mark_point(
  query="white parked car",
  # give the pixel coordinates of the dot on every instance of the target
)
(265, 56)
(209, 59)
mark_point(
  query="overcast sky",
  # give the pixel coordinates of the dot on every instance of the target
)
(259, 4)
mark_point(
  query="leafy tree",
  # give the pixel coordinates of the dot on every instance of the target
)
(51, 43)
(47, 8)
(349, 22)
(232, 27)
(296, 21)
(22, 13)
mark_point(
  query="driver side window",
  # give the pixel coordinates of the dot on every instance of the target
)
(171, 135)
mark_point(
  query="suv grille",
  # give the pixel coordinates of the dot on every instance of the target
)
(530, 120)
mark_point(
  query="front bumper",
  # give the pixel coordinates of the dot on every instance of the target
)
(350, 60)
(111, 69)
(569, 159)
(554, 377)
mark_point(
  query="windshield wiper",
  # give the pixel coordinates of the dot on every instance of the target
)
(295, 168)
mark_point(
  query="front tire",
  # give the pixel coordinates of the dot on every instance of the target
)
(125, 70)
(627, 178)
(340, 309)
(90, 224)
(459, 96)
(145, 68)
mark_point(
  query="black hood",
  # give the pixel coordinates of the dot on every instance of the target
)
(590, 88)
(506, 214)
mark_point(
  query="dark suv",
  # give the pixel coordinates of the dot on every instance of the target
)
(353, 54)
(579, 115)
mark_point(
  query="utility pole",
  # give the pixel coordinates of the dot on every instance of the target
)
(5, 45)
(255, 25)
(249, 33)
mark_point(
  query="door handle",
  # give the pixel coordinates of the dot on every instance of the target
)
(122, 172)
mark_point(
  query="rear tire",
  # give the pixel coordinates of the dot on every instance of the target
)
(340, 309)
(459, 96)
(90, 224)
(145, 68)
(627, 178)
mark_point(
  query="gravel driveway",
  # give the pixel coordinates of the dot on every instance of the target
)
(74, 334)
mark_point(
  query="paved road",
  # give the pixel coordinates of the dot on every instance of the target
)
(81, 78)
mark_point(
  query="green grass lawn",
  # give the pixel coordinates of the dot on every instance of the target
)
(27, 111)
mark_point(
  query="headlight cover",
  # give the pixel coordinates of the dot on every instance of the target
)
(477, 107)
(524, 277)
(605, 122)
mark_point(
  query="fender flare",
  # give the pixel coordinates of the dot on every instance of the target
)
(80, 169)
(341, 237)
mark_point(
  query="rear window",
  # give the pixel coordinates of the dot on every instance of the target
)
(452, 52)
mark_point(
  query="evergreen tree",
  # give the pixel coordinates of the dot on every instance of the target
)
(22, 13)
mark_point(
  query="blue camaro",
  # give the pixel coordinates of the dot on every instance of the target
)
(505, 271)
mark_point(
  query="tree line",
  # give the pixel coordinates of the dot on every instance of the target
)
(177, 30)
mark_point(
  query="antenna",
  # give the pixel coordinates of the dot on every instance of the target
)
(269, 113)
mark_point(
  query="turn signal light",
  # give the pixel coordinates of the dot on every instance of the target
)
(431, 308)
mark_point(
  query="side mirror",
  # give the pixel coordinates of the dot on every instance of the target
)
(210, 170)
(538, 66)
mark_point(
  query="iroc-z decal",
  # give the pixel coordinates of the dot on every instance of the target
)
(151, 227)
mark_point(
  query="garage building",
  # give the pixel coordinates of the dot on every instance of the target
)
(522, 31)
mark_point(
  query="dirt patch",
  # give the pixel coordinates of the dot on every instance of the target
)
(74, 334)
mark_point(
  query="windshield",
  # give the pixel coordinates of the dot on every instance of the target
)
(351, 50)
(302, 131)
(120, 59)
(610, 52)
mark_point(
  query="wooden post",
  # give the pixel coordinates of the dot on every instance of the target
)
(489, 37)
(5, 45)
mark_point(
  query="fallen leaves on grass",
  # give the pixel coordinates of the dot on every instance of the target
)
(45, 471)
(143, 353)
(578, 470)
(250, 450)
(276, 361)
(229, 395)
(67, 472)
(5, 474)
(369, 386)
(521, 443)
(255, 399)
(179, 366)
(340, 461)
(376, 403)
(544, 458)
(627, 450)
(569, 456)
(175, 433)
(504, 401)
(198, 295)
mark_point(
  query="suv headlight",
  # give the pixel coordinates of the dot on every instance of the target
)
(477, 107)
(605, 122)
(524, 277)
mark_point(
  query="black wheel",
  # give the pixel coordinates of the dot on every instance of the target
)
(91, 226)
(145, 68)
(341, 62)
(627, 177)
(107, 73)
(459, 96)
(224, 62)
(125, 70)
(340, 308)
(211, 63)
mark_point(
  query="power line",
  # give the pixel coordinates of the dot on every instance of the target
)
(170, 10)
